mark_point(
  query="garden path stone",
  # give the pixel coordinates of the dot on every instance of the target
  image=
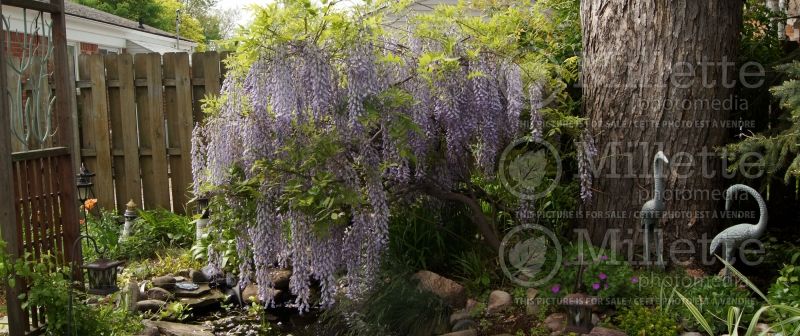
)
(179, 329)
(213, 298)
(150, 331)
(600, 331)
(201, 290)
(167, 282)
(555, 322)
(465, 325)
(471, 332)
(498, 302)
(691, 333)
(158, 293)
(448, 290)
(149, 305)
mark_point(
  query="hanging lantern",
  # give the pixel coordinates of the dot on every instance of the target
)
(85, 184)
(102, 276)
(579, 308)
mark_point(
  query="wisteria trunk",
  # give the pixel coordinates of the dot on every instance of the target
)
(657, 75)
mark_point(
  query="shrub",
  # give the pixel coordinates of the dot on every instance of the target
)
(153, 231)
(605, 274)
(395, 307)
(640, 320)
(713, 296)
(786, 289)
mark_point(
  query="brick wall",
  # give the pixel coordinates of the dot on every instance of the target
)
(89, 48)
(18, 44)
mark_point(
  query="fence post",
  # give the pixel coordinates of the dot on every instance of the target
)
(179, 125)
(150, 100)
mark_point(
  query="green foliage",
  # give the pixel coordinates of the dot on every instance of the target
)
(153, 230)
(175, 311)
(395, 307)
(778, 146)
(788, 321)
(165, 262)
(786, 289)
(605, 274)
(49, 289)
(713, 296)
(228, 219)
(476, 270)
(638, 320)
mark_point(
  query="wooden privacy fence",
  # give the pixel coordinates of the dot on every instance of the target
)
(136, 118)
(46, 213)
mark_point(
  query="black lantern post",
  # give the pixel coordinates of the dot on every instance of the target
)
(85, 190)
(101, 274)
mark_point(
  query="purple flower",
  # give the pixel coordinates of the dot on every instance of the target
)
(602, 276)
(555, 289)
(603, 257)
(634, 279)
(596, 286)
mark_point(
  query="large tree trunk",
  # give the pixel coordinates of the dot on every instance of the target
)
(637, 56)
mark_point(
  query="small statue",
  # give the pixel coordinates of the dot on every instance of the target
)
(652, 210)
(732, 237)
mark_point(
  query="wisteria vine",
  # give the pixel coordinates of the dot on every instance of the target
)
(327, 132)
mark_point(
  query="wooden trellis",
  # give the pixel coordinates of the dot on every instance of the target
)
(38, 208)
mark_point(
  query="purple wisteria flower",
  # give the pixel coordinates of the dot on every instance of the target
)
(596, 286)
(602, 276)
(555, 289)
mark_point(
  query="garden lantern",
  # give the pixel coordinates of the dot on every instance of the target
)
(102, 276)
(85, 184)
(579, 312)
(130, 216)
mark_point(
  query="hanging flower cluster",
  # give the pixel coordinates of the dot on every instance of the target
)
(327, 131)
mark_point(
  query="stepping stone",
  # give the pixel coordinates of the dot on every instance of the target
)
(178, 329)
(213, 298)
(158, 293)
(167, 282)
(149, 305)
(200, 291)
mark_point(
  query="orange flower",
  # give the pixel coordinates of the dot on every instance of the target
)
(90, 203)
(82, 221)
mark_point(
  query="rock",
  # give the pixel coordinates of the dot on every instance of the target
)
(458, 316)
(498, 302)
(531, 301)
(250, 294)
(215, 297)
(691, 333)
(158, 293)
(555, 322)
(184, 273)
(197, 277)
(601, 331)
(209, 273)
(132, 294)
(180, 279)
(762, 327)
(150, 305)
(448, 290)
(200, 291)
(471, 304)
(280, 278)
(178, 329)
(465, 325)
(150, 331)
(471, 332)
(595, 319)
(167, 282)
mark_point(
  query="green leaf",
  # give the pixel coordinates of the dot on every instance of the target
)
(696, 313)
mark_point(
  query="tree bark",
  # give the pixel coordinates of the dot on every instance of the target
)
(637, 84)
